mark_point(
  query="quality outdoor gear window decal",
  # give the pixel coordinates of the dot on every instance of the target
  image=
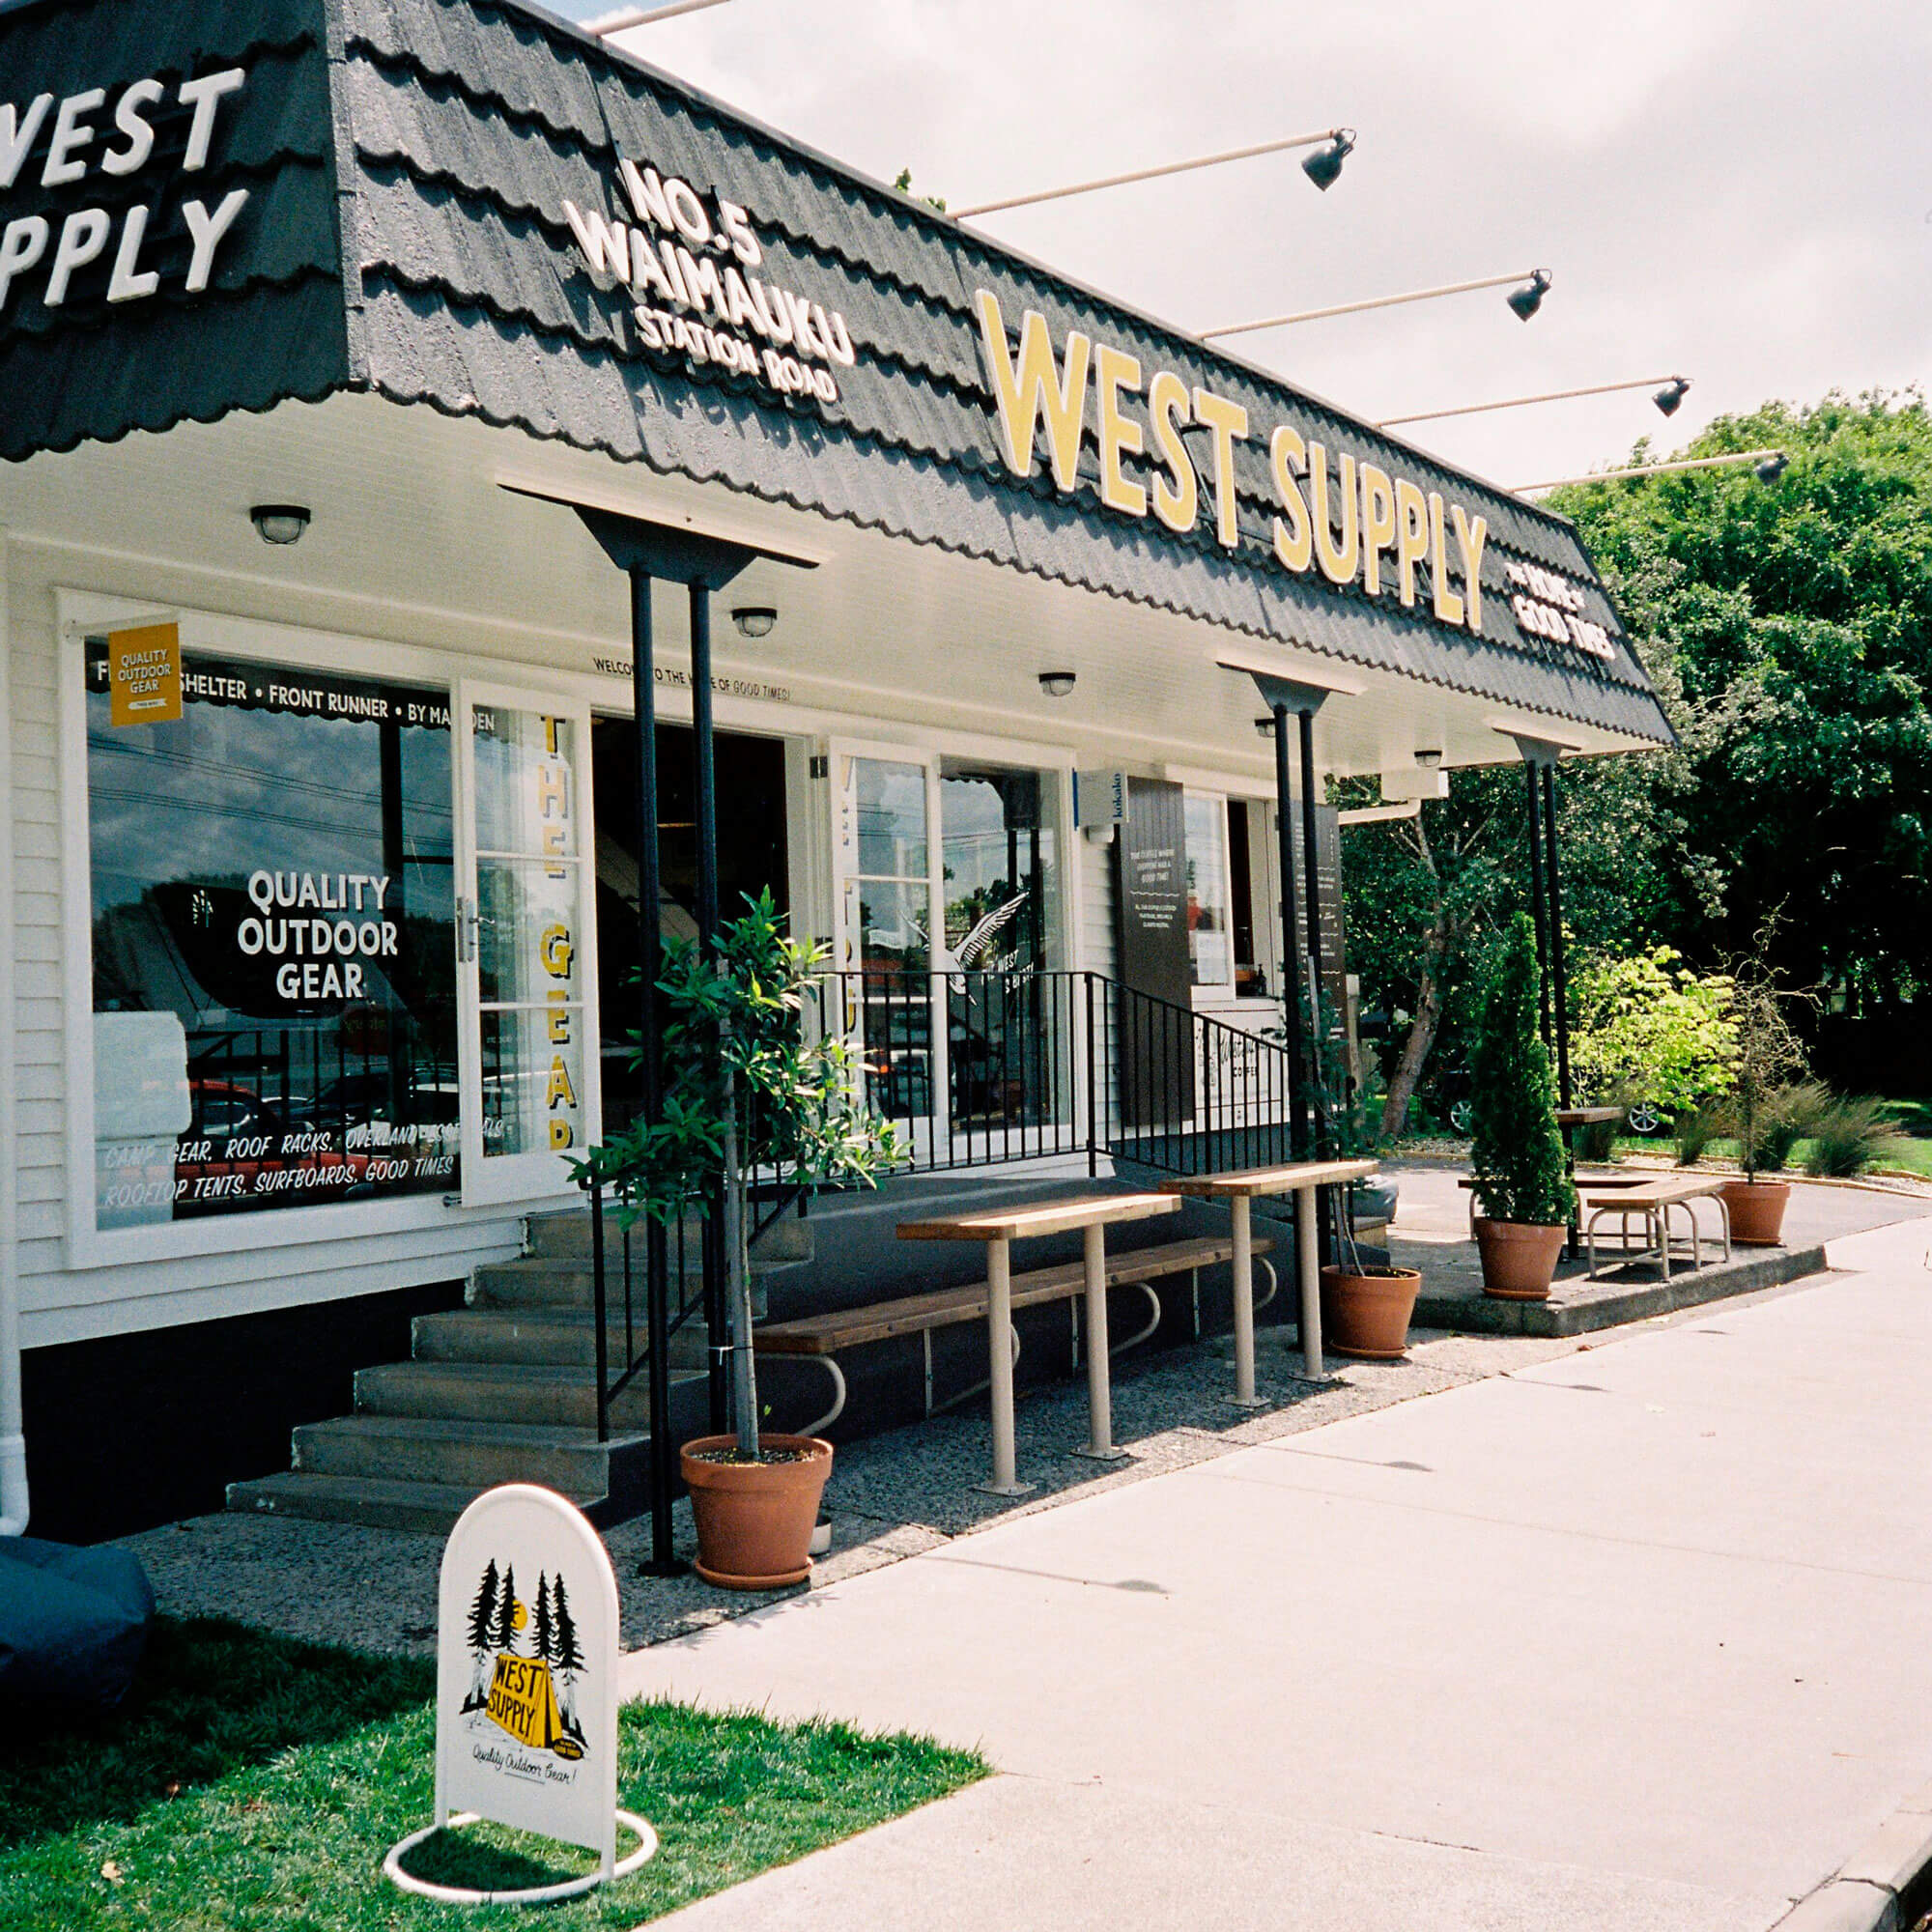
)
(273, 943)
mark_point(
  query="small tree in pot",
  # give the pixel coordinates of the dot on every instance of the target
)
(746, 1091)
(1768, 1103)
(1365, 1306)
(1521, 1176)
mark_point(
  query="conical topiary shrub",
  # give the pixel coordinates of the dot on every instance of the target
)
(1521, 1177)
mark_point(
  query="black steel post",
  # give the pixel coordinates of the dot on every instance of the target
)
(1291, 940)
(1535, 906)
(711, 1243)
(651, 1055)
(1559, 989)
(1310, 853)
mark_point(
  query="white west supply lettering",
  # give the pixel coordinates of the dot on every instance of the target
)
(17, 132)
(202, 95)
(1227, 423)
(1470, 537)
(207, 231)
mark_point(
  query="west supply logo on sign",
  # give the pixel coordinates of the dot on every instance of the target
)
(526, 1655)
(78, 135)
(1343, 516)
(690, 266)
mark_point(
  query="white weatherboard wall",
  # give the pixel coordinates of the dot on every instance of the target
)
(62, 1303)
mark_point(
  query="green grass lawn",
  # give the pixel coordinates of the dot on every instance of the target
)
(251, 1782)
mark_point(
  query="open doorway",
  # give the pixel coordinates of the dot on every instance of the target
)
(752, 856)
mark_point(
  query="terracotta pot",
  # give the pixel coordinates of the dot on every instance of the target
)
(1756, 1209)
(1366, 1316)
(755, 1519)
(1518, 1258)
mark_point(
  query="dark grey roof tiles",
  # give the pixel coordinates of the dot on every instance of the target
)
(459, 129)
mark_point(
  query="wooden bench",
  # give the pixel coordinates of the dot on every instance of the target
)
(822, 1337)
(1653, 1201)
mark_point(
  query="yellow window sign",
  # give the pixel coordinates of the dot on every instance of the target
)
(144, 675)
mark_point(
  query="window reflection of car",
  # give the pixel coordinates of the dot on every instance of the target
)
(356, 1100)
(234, 1133)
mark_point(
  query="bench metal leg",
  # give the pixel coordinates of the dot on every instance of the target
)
(999, 1332)
(830, 1364)
(1099, 1390)
(1243, 1272)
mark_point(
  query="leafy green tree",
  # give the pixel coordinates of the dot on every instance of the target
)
(1647, 1028)
(1516, 1152)
(1792, 622)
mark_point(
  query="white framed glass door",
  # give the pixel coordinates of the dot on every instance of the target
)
(525, 940)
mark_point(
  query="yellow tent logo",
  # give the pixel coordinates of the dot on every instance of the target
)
(527, 1660)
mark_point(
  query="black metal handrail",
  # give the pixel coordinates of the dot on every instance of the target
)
(1031, 1066)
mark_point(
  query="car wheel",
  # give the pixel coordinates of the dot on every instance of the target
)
(1462, 1116)
(1644, 1119)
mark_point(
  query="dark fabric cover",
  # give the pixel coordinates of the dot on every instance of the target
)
(74, 1624)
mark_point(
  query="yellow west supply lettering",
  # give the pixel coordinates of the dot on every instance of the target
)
(1120, 435)
(1378, 525)
(1294, 540)
(1447, 605)
(1471, 536)
(1412, 537)
(1175, 503)
(1036, 391)
(1227, 423)
(1338, 560)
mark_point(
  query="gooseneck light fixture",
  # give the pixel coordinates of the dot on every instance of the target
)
(754, 620)
(1527, 301)
(1320, 167)
(1056, 683)
(1666, 399)
(279, 522)
(1768, 466)
(1534, 289)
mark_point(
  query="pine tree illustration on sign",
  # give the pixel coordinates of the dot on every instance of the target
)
(506, 1615)
(482, 1613)
(545, 1629)
(569, 1658)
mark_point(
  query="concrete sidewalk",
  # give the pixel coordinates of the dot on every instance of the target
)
(1633, 1640)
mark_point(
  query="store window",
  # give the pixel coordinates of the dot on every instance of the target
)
(889, 914)
(274, 944)
(998, 848)
(1210, 955)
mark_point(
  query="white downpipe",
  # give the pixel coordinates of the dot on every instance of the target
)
(13, 1434)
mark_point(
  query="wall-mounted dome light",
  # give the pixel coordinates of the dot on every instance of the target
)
(1056, 683)
(1672, 394)
(279, 522)
(1265, 726)
(754, 620)
(1528, 300)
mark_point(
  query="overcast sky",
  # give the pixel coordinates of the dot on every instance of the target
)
(1739, 191)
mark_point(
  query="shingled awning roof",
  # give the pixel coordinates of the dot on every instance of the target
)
(409, 161)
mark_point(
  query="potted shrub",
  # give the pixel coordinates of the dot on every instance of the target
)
(1521, 1179)
(1763, 1099)
(746, 1091)
(1365, 1306)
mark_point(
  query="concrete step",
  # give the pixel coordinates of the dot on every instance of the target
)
(554, 1336)
(377, 1501)
(566, 1237)
(461, 1454)
(496, 1392)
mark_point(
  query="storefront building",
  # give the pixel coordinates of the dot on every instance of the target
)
(319, 322)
